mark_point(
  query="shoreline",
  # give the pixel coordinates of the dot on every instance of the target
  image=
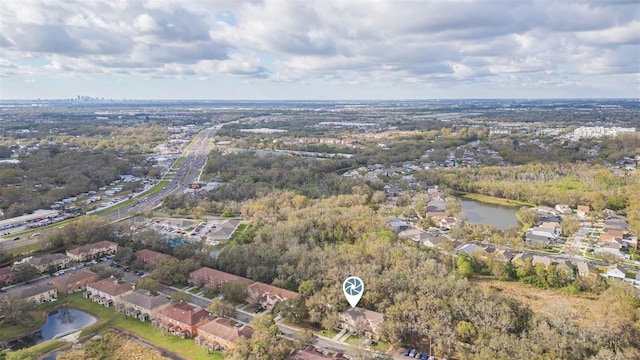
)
(493, 200)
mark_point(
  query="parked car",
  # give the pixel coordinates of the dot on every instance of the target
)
(406, 352)
(412, 353)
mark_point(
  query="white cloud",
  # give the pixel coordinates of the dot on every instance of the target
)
(534, 42)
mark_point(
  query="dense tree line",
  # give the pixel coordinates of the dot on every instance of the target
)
(247, 176)
(53, 173)
(311, 245)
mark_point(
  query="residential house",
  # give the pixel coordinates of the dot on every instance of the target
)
(221, 334)
(610, 247)
(582, 211)
(448, 222)
(585, 269)
(616, 271)
(539, 237)
(74, 282)
(181, 319)
(434, 241)
(107, 292)
(611, 234)
(268, 295)
(149, 257)
(311, 353)
(616, 222)
(361, 321)
(468, 248)
(6, 275)
(142, 305)
(563, 209)
(521, 259)
(213, 278)
(92, 251)
(398, 225)
(503, 255)
(51, 262)
(547, 211)
(38, 293)
(413, 233)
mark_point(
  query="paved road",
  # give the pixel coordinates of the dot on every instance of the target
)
(195, 158)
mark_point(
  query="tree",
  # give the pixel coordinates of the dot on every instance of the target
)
(234, 292)
(266, 343)
(124, 256)
(464, 268)
(570, 225)
(25, 272)
(15, 310)
(307, 288)
(173, 271)
(221, 308)
(303, 338)
(150, 284)
(293, 310)
(180, 296)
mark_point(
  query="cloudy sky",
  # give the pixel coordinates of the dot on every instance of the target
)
(325, 49)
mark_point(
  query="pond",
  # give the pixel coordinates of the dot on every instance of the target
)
(60, 322)
(476, 212)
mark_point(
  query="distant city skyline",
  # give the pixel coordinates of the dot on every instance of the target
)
(319, 50)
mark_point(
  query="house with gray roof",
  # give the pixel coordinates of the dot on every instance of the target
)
(38, 293)
(142, 305)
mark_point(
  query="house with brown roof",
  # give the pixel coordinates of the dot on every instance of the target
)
(107, 292)
(361, 321)
(6, 275)
(311, 353)
(181, 319)
(38, 293)
(582, 211)
(92, 251)
(611, 235)
(220, 334)
(74, 282)
(268, 295)
(213, 278)
(142, 305)
(149, 257)
(51, 262)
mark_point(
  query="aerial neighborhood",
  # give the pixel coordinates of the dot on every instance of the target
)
(212, 232)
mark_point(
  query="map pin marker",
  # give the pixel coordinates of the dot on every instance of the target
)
(353, 288)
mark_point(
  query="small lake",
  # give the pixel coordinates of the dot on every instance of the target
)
(60, 322)
(502, 217)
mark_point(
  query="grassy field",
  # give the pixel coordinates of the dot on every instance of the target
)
(34, 351)
(178, 163)
(109, 317)
(548, 300)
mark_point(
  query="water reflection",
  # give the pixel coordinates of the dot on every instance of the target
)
(499, 216)
(59, 323)
(66, 316)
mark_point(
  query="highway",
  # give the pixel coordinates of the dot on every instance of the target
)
(195, 157)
